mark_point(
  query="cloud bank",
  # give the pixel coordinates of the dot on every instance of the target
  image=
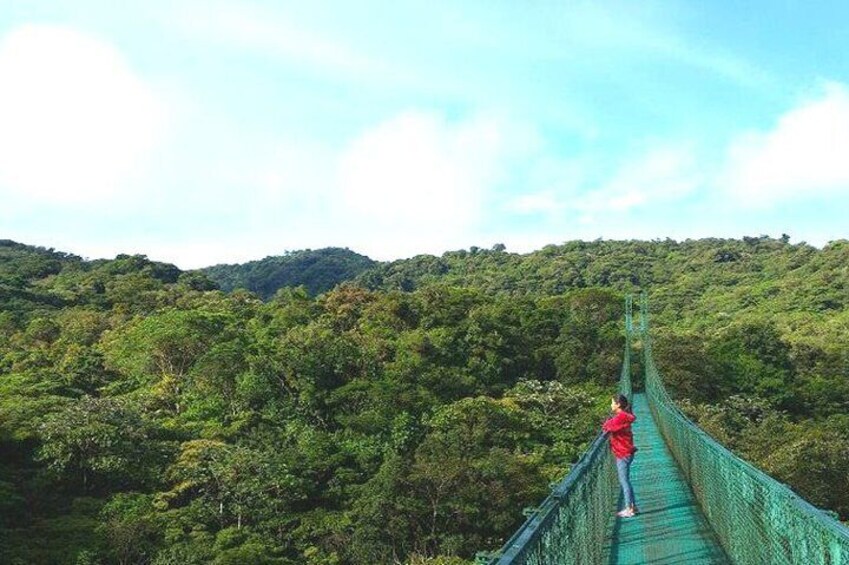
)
(803, 155)
(75, 120)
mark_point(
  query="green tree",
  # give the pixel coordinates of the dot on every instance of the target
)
(96, 440)
(160, 350)
(473, 471)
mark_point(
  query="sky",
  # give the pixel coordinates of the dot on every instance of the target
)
(225, 131)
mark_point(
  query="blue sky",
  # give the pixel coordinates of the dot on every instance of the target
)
(224, 131)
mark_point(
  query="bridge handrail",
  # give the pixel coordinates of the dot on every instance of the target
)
(756, 518)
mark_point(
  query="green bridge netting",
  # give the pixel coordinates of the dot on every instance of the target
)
(755, 518)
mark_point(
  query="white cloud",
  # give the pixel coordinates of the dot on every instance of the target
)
(414, 183)
(417, 183)
(664, 173)
(658, 175)
(804, 155)
(75, 121)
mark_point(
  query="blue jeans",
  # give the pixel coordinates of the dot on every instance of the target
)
(623, 469)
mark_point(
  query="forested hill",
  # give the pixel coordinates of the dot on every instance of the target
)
(147, 418)
(751, 335)
(20, 265)
(318, 271)
(36, 281)
(406, 416)
(687, 280)
(785, 306)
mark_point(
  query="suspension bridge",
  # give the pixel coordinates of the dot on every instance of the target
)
(698, 502)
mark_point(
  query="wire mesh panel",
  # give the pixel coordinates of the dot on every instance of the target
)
(756, 518)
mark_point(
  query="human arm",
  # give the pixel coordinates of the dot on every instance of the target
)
(618, 422)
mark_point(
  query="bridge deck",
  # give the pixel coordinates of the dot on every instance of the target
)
(670, 527)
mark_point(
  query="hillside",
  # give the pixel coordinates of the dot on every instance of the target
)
(409, 415)
(693, 283)
(21, 265)
(318, 271)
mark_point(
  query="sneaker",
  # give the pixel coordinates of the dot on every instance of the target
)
(627, 513)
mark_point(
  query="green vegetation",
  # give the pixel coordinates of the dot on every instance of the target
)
(147, 419)
(405, 416)
(317, 271)
(751, 335)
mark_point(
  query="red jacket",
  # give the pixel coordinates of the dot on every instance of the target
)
(621, 438)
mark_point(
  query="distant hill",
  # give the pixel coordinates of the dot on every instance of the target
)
(35, 281)
(20, 262)
(317, 270)
(20, 266)
(689, 280)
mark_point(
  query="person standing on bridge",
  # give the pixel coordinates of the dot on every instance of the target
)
(622, 446)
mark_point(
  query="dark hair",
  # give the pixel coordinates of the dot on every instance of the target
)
(622, 401)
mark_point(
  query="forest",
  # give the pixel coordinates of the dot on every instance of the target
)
(326, 409)
(316, 270)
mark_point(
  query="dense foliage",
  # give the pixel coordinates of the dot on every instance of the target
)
(751, 335)
(317, 271)
(147, 417)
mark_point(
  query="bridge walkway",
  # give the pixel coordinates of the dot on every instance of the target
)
(670, 528)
